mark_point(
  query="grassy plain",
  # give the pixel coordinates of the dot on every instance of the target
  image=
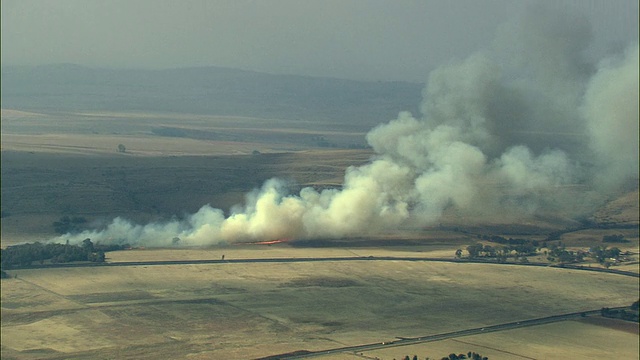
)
(565, 340)
(249, 310)
(67, 164)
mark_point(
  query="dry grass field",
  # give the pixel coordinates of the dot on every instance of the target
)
(39, 188)
(153, 134)
(249, 310)
(68, 164)
(564, 340)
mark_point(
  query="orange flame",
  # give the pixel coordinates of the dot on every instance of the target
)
(270, 242)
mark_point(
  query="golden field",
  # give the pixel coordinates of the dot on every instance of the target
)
(249, 310)
(68, 164)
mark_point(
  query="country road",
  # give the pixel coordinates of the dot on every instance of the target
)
(301, 354)
(318, 259)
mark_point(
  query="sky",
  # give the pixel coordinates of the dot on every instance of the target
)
(356, 39)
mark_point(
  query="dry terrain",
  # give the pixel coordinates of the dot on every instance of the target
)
(564, 340)
(249, 310)
(68, 164)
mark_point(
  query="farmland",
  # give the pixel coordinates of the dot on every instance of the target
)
(254, 309)
(251, 310)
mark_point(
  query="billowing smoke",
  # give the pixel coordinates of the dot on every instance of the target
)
(507, 133)
(611, 112)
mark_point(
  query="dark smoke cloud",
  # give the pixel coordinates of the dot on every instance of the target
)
(505, 133)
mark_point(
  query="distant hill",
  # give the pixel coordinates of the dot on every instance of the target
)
(206, 90)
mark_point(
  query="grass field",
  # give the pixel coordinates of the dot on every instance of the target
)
(250, 310)
(566, 340)
(67, 164)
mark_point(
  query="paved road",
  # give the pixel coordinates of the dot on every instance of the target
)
(301, 354)
(323, 259)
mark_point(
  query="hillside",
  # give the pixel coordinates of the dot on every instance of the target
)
(206, 90)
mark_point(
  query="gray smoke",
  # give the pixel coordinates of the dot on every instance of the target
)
(507, 133)
(610, 110)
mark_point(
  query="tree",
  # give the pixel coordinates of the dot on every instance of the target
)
(87, 245)
(502, 255)
(98, 257)
(121, 148)
(603, 254)
(459, 253)
(489, 250)
(474, 250)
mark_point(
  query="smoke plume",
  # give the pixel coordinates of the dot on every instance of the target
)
(507, 132)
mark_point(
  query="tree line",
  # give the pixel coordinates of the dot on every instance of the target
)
(500, 253)
(26, 254)
(453, 356)
(632, 313)
(519, 249)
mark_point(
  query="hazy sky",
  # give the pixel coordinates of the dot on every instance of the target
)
(357, 39)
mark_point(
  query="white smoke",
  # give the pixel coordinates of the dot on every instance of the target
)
(611, 112)
(502, 134)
